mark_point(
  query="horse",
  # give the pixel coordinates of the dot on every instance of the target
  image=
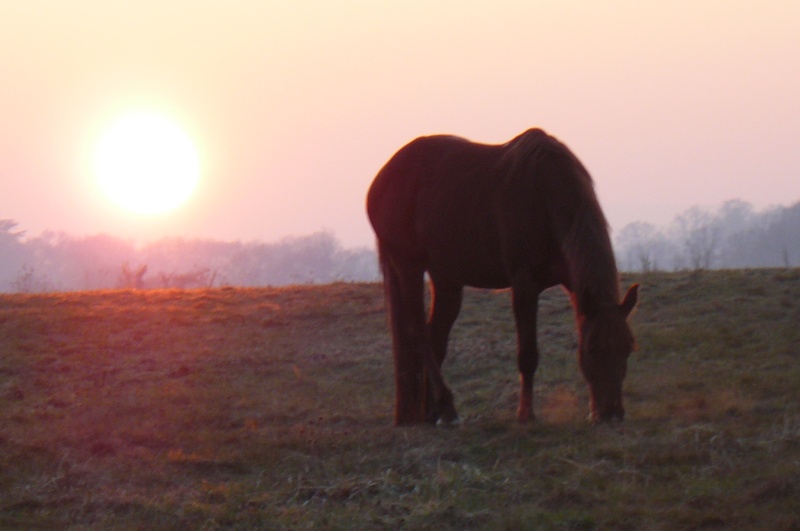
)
(520, 215)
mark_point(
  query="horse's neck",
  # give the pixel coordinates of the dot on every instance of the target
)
(593, 276)
(582, 230)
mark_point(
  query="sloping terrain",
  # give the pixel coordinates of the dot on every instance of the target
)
(272, 408)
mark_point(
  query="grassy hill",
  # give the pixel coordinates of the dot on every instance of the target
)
(272, 408)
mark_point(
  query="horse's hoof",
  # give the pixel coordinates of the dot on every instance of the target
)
(454, 423)
(608, 420)
(525, 415)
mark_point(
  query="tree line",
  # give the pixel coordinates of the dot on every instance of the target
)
(731, 236)
(60, 262)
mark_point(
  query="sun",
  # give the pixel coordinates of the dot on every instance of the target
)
(144, 162)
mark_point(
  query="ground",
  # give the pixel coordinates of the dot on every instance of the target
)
(272, 408)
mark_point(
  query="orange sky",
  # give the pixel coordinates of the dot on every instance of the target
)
(295, 105)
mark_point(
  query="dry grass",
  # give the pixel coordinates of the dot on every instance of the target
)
(271, 408)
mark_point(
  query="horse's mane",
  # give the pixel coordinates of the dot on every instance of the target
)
(593, 267)
(578, 221)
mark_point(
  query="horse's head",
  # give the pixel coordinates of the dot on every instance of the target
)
(606, 342)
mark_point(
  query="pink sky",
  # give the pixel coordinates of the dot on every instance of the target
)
(294, 106)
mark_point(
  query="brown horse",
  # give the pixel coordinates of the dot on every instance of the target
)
(522, 215)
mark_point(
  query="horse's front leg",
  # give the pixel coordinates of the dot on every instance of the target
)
(526, 303)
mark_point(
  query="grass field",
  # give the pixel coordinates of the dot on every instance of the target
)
(272, 408)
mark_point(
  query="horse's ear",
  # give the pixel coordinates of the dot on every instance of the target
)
(629, 302)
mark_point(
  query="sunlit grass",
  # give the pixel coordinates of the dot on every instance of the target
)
(272, 408)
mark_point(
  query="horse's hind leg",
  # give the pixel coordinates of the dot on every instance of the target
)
(526, 303)
(415, 363)
(408, 366)
(445, 306)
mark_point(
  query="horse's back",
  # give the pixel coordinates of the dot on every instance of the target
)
(463, 210)
(422, 166)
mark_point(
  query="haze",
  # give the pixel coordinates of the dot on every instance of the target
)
(294, 106)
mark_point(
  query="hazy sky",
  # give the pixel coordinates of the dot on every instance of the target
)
(295, 105)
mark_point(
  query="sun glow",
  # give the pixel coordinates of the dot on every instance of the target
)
(145, 163)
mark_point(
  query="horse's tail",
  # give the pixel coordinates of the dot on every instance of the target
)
(408, 363)
(420, 391)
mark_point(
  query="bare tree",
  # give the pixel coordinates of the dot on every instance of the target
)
(132, 278)
(28, 281)
(14, 256)
(638, 241)
(700, 235)
(198, 278)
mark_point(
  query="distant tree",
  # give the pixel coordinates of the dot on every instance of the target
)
(13, 254)
(247, 265)
(783, 236)
(701, 236)
(53, 255)
(91, 262)
(173, 257)
(735, 216)
(132, 277)
(360, 265)
(300, 260)
(733, 235)
(639, 242)
(313, 258)
(7, 229)
(767, 239)
(58, 261)
(28, 281)
(198, 278)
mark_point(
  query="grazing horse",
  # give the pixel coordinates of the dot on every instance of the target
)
(522, 215)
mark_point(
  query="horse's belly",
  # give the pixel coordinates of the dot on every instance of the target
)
(478, 270)
(488, 283)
